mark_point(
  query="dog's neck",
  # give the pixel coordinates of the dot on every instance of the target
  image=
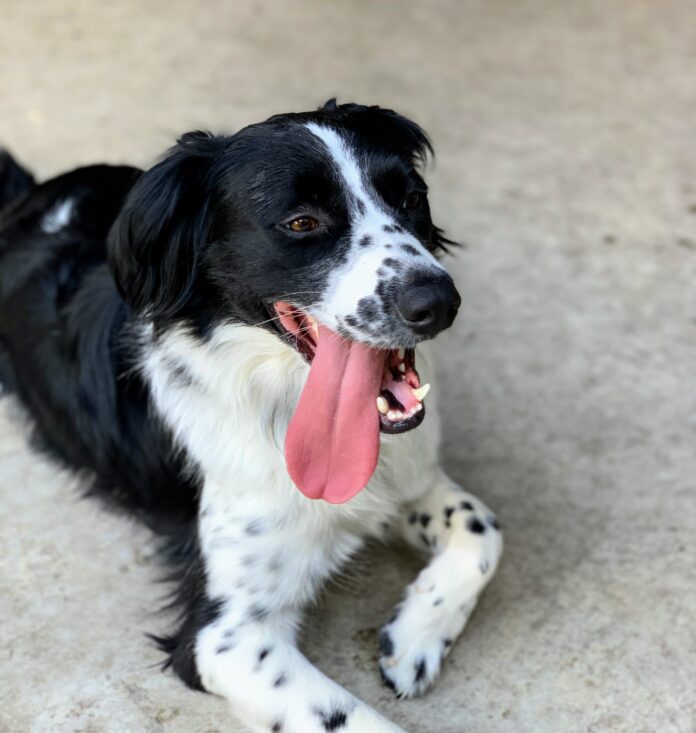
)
(241, 381)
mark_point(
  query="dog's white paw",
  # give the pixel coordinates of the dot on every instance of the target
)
(415, 643)
(433, 614)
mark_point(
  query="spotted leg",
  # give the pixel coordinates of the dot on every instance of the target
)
(463, 538)
(260, 569)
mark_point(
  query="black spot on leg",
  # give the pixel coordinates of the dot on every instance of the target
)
(277, 727)
(229, 633)
(420, 670)
(447, 643)
(466, 505)
(449, 511)
(255, 527)
(388, 683)
(280, 680)
(263, 654)
(366, 241)
(386, 645)
(223, 648)
(438, 601)
(333, 720)
(425, 520)
(274, 564)
(258, 613)
(475, 525)
(410, 250)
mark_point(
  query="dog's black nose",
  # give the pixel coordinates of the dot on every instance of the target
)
(429, 304)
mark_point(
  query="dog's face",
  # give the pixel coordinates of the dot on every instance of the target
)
(314, 225)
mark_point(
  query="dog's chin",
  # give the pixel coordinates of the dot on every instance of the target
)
(399, 402)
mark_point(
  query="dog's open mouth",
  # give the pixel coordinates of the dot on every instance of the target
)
(400, 399)
(353, 392)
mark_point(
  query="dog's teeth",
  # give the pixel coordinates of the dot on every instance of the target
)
(420, 393)
(402, 367)
(419, 407)
(401, 352)
(382, 405)
(314, 326)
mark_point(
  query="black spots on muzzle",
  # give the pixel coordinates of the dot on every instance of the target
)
(368, 309)
(409, 249)
(386, 290)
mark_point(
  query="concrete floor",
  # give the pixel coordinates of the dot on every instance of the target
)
(566, 144)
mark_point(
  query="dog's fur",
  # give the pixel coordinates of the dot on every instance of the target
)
(137, 327)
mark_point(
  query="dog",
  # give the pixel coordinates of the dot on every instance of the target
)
(232, 345)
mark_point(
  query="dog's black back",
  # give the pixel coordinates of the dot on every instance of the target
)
(61, 315)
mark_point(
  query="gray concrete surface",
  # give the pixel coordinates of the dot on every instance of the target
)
(566, 135)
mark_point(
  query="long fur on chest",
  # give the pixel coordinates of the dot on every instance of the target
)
(228, 402)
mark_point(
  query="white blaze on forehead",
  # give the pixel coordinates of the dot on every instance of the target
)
(345, 161)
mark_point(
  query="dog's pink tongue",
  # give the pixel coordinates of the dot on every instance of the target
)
(332, 444)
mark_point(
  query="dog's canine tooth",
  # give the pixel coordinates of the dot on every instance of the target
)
(420, 393)
(402, 367)
(401, 352)
(382, 405)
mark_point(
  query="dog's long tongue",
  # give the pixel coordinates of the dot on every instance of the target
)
(332, 444)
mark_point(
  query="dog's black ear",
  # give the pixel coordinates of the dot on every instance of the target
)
(156, 241)
(330, 105)
(404, 134)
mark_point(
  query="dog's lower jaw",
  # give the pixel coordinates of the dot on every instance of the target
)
(266, 549)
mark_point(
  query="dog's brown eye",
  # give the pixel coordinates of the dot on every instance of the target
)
(303, 224)
(413, 200)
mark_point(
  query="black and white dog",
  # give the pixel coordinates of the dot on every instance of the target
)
(241, 321)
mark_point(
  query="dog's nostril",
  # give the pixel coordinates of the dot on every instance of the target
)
(420, 316)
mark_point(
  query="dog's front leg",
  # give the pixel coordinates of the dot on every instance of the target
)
(462, 536)
(261, 565)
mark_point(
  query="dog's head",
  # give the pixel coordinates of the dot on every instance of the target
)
(315, 226)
